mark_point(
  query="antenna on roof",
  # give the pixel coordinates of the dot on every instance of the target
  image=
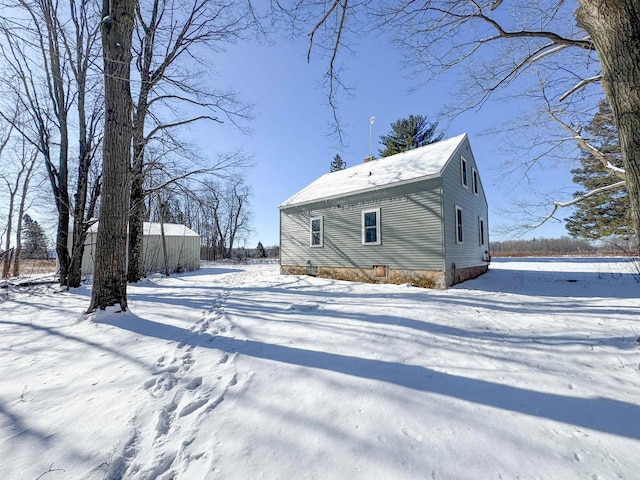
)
(371, 121)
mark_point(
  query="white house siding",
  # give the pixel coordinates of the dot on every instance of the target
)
(410, 230)
(469, 253)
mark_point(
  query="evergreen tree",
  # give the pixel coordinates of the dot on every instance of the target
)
(34, 240)
(409, 133)
(337, 164)
(260, 251)
(606, 213)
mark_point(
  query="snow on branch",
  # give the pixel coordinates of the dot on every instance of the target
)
(579, 85)
(583, 143)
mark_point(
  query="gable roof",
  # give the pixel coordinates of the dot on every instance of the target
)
(406, 167)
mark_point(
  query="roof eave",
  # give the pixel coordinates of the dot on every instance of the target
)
(358, 192)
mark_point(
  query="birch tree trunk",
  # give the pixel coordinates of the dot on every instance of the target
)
(110, 269)
(614, 27)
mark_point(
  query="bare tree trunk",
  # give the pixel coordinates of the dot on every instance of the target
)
(8, 257)
(59, 94)
(83, 53)
(135, 270)
(110, 277)
(165, 256)
(614, 26)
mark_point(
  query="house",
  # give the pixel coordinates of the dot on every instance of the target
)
(417, 217)
(182, 243)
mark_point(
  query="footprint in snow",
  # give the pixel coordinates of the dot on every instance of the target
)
(303, 307)
(195, 383)
(192, 406)
(413, 435)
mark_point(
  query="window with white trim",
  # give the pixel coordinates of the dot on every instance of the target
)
(463, 171)
(316, 225)
(459, 237)
(474, 181)
(481, 236)
(371, 226)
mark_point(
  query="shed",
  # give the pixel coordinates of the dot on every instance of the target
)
(183, 248)
(417, 217)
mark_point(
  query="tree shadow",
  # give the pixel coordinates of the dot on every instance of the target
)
(597, 413)
(65, 336)
(19, 427)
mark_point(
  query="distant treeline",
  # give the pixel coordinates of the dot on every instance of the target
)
(551, 247)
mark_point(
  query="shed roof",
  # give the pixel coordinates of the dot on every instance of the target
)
(170, 230)
(153, 228)
(411, 166)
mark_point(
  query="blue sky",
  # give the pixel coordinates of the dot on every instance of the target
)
(290, 138)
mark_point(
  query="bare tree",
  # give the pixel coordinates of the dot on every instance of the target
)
(52, 51)
(110, 277)
(12, 186)
(238, 216)
(31, 41)
(82, 49)
(16, 175)
(225, 214)
(169, 34)
(28, 161)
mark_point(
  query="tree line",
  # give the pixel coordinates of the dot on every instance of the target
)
(539, 247)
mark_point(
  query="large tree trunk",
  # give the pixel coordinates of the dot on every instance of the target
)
(110, 270)
(614, 27)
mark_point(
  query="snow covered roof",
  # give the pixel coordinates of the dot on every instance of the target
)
(406, 167)
(170, 230)
(153, 228)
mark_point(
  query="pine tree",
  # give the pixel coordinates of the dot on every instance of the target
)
(34, 240)
(409, 133)
(337, 164)
(607, 213)
(260, 251)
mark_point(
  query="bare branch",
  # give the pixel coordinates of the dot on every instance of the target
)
(167, 126)
(582, 142)
(556, 205)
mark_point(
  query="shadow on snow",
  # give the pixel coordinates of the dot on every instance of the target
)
(602, 414)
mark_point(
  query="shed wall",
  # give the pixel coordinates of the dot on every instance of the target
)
(410, 230)
(183, 253)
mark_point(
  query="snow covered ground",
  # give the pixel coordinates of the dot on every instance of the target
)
(235, 372)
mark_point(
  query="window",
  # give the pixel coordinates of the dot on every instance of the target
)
(371, 227)
(481, 231)
(463, 171)
(458, 224)
(317, 228)
(475, 181)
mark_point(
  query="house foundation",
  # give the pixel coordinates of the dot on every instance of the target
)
(380, 274)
